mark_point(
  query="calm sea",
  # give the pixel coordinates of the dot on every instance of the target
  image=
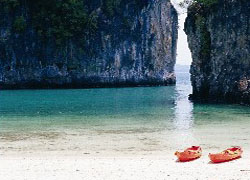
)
(163, 116)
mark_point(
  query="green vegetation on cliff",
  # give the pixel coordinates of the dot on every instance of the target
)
(198, 10)
(206, 2)
(65, 20)
(19, 24)
(112, 7)
(62, 20)
(205, 38)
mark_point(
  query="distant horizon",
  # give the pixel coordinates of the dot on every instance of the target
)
(181, 68)
(182, 64)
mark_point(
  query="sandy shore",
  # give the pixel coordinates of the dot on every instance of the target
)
(118, 156)
(119, 168)
(118, 134)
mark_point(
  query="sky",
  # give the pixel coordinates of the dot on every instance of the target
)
(183, 52)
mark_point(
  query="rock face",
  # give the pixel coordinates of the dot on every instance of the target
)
(218, 37)
(143, 53)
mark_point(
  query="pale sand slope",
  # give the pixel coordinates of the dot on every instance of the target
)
(118, 155)
(135, 167)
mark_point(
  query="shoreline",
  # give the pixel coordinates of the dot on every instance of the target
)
(87, 85)
(100, 160)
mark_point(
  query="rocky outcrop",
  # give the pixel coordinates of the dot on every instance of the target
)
(138, 51)
(218, 38)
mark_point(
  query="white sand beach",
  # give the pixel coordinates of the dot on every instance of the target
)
(120, 168)
(115, 157)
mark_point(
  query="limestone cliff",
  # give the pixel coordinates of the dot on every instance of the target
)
(136, 46)
(218, 38)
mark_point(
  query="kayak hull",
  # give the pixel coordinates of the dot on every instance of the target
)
(227, 155)
(185, 157)
(189, 154)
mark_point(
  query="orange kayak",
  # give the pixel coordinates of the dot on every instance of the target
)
(227, 155)
(189, 154)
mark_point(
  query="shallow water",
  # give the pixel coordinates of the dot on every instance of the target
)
(124, 120)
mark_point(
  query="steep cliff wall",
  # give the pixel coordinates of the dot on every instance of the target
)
(134, 45)
(218, 36)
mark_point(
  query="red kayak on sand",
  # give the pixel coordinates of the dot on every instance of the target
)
(189, 154)
(227, 155)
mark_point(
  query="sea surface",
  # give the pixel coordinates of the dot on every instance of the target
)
(122, 121)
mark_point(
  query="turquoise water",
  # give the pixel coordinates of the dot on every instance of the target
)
(164, 113)
(26, 110)
(166, 107)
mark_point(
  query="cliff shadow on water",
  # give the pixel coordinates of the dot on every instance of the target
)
(82, 44)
